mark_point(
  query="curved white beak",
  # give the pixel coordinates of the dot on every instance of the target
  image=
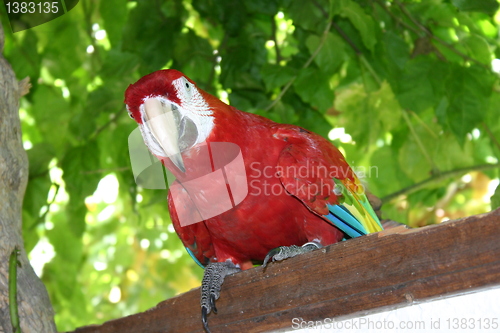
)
(162, 125)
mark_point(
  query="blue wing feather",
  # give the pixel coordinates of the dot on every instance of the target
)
(346, 228)
(194, 258)
(342, 213)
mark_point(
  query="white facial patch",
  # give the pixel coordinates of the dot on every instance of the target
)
(191, 105)
(194, 106)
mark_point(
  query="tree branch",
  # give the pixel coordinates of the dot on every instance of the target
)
(35, 310)
(114, 117)
(436, 178)
(368, 66)
(275, 40)
(347, 38)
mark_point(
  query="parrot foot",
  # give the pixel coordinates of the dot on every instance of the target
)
(284, 252)
(213, 278)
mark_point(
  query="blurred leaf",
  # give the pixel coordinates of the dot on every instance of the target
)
(39, 157)
(116, 154)
(119, 64)
(313, 87)
(149, 34)
(67, 245)
(62, 56)
(114, 14)
(478, 48)
(385, 107)
(363, 23)
(495, 199)
(50, 111)
(397, 50)
(369, 114)
(307, 15)
(234, 17)
(412, 161)
(314, 121)
(414, 89)
(486, 6)
(276, 76)
(448, 154)
(468, 93)
(440, 12)
(262, 6)
(331, 54)
(35, 198)
(386, 176)
(61, 275)
(28, 58)
(352, 102)
(81, 175)
(237, 57)
(194, 54)
(427, 196)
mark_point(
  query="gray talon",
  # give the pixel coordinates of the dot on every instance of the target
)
(285, 252)
(210, 287)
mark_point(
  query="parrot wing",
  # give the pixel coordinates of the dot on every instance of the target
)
(315, 172)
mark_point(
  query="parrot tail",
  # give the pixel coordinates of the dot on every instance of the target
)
(353, 215)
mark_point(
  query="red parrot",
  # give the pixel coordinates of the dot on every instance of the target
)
(301, 192)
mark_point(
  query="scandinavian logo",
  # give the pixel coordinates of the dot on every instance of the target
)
(221, 186)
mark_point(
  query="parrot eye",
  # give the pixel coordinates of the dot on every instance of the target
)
(184, 88)
(188, 90)
(129, 113)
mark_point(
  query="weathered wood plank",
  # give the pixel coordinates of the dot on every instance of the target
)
(369, 274)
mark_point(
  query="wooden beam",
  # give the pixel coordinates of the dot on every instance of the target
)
(369, 274)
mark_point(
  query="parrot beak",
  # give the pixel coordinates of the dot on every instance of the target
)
(163, 126)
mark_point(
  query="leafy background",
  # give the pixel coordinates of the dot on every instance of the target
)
(409, 91)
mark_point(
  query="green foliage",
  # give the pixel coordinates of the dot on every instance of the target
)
(410, 82)
(495, 199)
(486, 6)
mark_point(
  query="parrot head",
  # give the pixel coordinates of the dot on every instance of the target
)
(172, 113)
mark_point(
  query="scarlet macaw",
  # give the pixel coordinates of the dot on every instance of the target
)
(320, 205)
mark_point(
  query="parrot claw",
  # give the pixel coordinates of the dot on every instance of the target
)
(210, 287)
(204, 318)
(284, 252)
(212, 303)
